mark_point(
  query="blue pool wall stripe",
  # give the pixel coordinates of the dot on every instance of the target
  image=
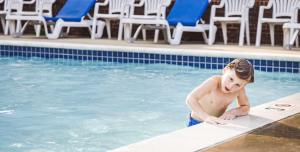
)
(204, 62)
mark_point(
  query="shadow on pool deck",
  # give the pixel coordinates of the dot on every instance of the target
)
(280, 136)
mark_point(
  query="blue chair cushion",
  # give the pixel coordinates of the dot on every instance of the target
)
(73, 10)
(187, 12)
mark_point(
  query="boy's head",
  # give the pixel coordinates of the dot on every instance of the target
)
(236, 75)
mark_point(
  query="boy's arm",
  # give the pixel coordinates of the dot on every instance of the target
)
(197, 94)
(242, 109)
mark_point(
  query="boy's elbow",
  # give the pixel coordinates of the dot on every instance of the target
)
(188, 100)
(246, 110)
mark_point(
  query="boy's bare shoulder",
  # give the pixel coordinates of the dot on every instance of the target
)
(216, 78)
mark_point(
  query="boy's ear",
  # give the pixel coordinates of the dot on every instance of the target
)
(225, 69)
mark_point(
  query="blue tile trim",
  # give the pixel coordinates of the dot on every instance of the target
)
(204, 62)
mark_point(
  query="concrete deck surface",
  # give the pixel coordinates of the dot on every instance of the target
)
(280, 136)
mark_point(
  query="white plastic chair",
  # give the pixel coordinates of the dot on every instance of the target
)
(13, 7)
(154, 13)
(115, 8)
(281, 8)
(236, 11)
(291, 31)
(3, 13)
(16, 13)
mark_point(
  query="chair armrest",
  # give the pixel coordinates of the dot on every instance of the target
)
(161, 12)
(251, 4)
(127, 10)
(97, 6)
(269, 6)
(29, 2)
(214, 8)
(101, 3)
(295, 14)
(262, 9)
(47, 1)
(139, 4)
(166, 3)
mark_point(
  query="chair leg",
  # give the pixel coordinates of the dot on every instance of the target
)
(212, 30)
(37, 29)
(57, 30)
(248, 32)
(144, 34)
(108, 29)
(258, 34)
(18, 29)
(120, 33)
(127, 32)
(242, 34)
(286, 37)
(224, 30)
(177, 35)
(9, 27)
(94, 27)
(272, 34)
(204, 37)
(156, 35)
(24, 27)
(293, 37)
(137, 32)
(297, 41)
(100, 28)
(3, 24)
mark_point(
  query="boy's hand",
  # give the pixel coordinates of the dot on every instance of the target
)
(228, 116)
(214, 120)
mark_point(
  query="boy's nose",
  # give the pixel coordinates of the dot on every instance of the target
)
(230, 86)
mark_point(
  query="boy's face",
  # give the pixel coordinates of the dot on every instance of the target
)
(231, 82)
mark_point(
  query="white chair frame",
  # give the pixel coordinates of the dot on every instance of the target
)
(154, 12)
(3, 13)
(281, 8)
(115, 8)
(42, 8)
(236, 11)
(291, 31)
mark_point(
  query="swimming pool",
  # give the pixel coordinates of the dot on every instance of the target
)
(75, 105)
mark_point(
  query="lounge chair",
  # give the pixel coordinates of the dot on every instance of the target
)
(185, 16)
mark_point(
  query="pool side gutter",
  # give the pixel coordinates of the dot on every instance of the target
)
(203, 136)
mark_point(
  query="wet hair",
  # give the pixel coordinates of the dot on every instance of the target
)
(243, 69)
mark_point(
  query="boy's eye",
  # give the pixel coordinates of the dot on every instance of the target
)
(231, 79)
(238, 85)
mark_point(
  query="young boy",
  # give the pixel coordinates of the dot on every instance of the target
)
(210, 100)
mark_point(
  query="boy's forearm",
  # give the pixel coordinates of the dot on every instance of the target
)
(240, 111)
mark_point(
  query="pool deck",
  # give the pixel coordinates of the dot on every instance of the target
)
(241, 133)
(191, 48)
(283, 135)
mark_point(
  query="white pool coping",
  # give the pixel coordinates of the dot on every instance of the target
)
(162, 50)
(203, 136)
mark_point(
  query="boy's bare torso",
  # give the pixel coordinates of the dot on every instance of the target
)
(215, 102)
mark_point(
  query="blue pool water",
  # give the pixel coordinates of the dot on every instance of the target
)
(74, 106)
